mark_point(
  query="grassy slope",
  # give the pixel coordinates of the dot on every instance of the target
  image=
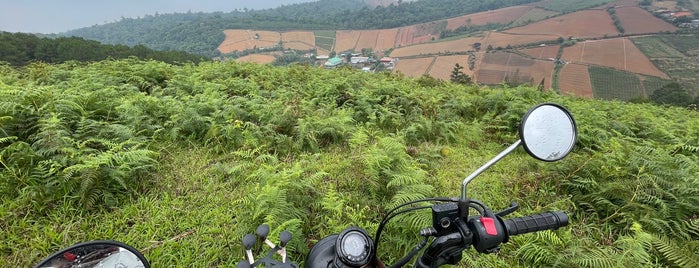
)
(316, 183)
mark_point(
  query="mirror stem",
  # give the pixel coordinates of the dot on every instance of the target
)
(486, 166)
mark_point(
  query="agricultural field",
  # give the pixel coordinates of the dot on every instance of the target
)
(497, 67)
(414, 67)
(490, 77)
(669, 5)
(386, 39)
(346, 40)
(235, 40)
(686, 44)
(638, 21)
(299, 40)
(240, 40)
(574, 80)
(534, 15)
(570, 5)
(504, 39)
(499, 16)
(420, 33)
(325, 39)
(257, 58)
(367, 39)
(656, 47)
(619, 4)
(611, 84)
(542, 52)
(444, 65)
(581, 24)
(460, 45)
(678, 55)
(420, 51)
(618, 53)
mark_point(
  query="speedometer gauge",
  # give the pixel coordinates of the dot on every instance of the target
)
(353, 248)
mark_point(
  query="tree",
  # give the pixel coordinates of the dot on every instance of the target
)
(672, 94)
(458, 76)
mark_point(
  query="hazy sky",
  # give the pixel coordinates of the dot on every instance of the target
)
(54, 16)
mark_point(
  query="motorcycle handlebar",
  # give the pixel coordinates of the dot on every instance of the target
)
(534, 223)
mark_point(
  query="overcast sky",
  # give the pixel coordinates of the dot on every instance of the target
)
(55, 16)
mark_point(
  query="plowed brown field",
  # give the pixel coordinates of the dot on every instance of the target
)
(490, 77)
(502, 39)
(346, 40)
(574, 80)
(414, 67)
(367, 39)
(257, 58)
(618, 53)
(545, 52)
(386, 39)
(501, 16)
(496, 66)
(417, 34)
(636, 21)
(495, 39)
(235, 39)
(300, 37)
(586, 23)
(443, 66)
(465, 44)
(245, 39)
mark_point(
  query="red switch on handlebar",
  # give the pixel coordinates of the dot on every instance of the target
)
(489, 225)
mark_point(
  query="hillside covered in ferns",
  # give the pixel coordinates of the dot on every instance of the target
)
(144, 152)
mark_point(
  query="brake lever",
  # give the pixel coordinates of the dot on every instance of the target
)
(513, 207)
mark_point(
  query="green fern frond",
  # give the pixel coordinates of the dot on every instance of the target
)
(595, 257)
(8, 139)
(674, 253)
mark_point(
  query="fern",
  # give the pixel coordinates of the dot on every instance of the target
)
(675, 254)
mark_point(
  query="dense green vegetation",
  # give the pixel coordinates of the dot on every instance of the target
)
(144, 151)
(201, 33)
(20, 49)
(566, 6)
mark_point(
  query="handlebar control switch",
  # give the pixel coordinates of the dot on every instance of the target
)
(488, 234)
(443, 217)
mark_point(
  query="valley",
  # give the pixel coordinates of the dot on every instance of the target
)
(543, 44)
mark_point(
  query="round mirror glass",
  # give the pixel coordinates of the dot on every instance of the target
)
(96, 254)
(548, 132)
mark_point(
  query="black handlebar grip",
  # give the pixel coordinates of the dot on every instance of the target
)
(534, 223)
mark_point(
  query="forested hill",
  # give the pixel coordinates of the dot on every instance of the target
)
(20, 49)
(201, 33)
